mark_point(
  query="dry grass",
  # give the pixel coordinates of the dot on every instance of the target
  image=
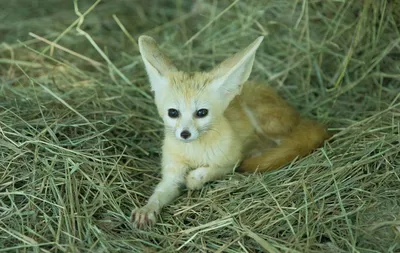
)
(80, 137)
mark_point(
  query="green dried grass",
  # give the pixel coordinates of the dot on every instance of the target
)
(80, 136)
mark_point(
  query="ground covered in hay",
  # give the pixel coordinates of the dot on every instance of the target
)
(80, 137)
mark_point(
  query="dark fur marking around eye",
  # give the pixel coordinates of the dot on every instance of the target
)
(201, 113)
(173, 113)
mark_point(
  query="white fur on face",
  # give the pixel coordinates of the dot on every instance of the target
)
(187, 120)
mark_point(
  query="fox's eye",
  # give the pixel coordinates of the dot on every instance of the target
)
(201, 113)
(173, 113)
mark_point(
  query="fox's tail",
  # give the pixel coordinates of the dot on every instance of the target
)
(304, 138)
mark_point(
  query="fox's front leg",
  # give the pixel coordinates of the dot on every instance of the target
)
(165, 192)
(198, 177)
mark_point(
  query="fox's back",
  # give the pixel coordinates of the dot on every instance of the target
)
(249, 110)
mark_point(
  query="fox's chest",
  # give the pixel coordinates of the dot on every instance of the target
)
(218, 152)
(204, 155)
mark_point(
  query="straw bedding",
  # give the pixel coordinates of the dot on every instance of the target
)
(80, 136)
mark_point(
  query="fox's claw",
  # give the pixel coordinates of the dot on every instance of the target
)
(143, 217)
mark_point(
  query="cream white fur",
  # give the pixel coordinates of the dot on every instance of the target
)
(208, 154)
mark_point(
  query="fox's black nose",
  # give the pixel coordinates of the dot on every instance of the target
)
(185, 134)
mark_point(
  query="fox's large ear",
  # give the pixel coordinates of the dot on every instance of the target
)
(157, 64)
(230, 75)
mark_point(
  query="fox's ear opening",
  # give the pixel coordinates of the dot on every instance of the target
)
(230, 75)
(158, 65)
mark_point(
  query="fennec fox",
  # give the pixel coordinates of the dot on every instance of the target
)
(215, 121)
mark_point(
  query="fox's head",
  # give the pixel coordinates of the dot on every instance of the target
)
(191, 103)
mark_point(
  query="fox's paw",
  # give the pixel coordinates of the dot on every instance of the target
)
(196, 178)
(143, 217)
